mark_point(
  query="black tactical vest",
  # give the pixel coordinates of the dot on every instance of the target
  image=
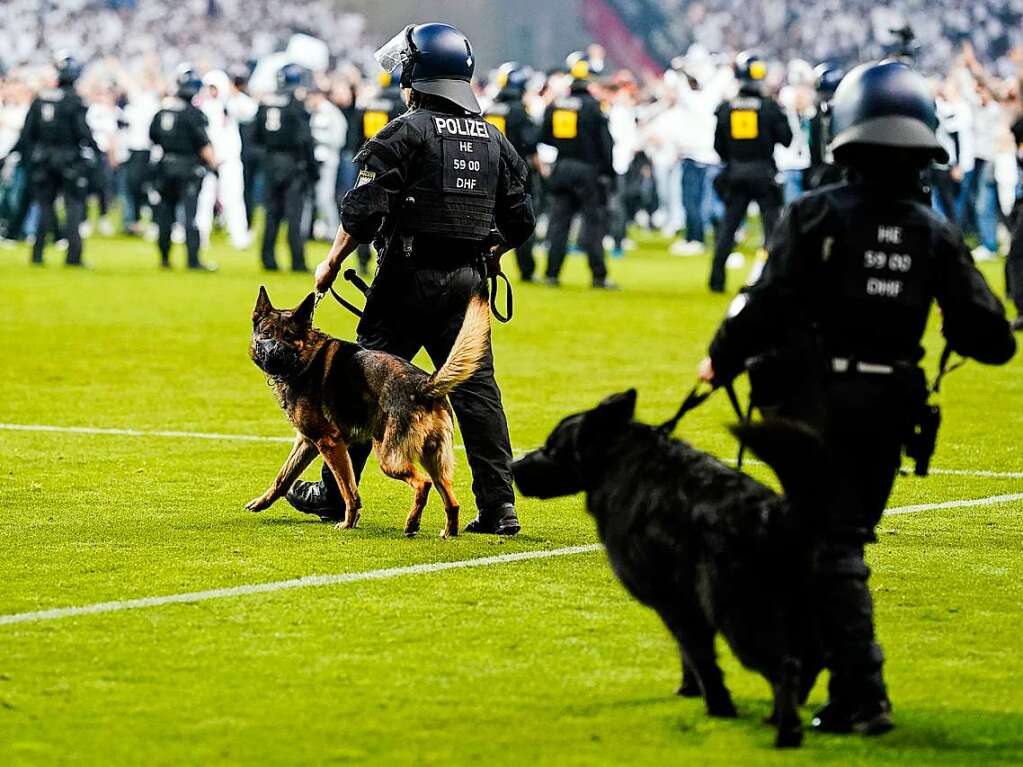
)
(453, 183)
(58, 110)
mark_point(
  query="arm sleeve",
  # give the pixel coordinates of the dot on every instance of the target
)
(513, 212)
(607, 145)
(974, 319)
(29, 131)
(721, 134)
(782, 128)
(200, 137)
(547, 129)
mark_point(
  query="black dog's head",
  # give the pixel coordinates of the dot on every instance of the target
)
(556, 469)
(283, 341)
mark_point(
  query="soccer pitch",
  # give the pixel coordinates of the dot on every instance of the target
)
(128, 407)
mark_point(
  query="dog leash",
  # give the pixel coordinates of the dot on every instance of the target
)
(351, 276)
(695, 398)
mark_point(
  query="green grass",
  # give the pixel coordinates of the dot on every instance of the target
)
(545, 662)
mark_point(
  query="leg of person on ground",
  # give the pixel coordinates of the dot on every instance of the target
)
(190, 202)
(274, 210)
(563, 207)
(294, 209)
(735, 212)
(591, 234)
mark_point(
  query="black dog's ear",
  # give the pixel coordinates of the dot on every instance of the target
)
(263, 305)
(303, 314)
(618, 407)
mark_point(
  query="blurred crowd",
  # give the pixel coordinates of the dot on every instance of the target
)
(662, 126)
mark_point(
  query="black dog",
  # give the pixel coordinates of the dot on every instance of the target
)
(707, 547)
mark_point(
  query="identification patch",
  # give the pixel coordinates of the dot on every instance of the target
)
(365, 176)
(373, 122)
(745, 125)
(466, 166)
(565, 124)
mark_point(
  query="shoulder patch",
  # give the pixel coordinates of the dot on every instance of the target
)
(365, 176)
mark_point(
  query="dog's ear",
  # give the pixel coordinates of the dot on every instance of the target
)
(618, 407)
(303, 314)
(263, 305)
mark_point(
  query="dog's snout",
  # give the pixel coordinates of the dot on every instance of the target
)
(537, 475)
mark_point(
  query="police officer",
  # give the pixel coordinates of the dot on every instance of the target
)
(290, 167)
(370, 118)
(58, 145)
(859, 264)
(433, 187)
(581, 179)
(508, 114)
(822, 170)
(749, 126)
(179, 130)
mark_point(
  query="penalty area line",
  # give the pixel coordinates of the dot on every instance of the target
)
(397, 572)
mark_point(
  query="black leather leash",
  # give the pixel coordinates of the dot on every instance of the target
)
(695, 398)
(509, 303)
(351, 276)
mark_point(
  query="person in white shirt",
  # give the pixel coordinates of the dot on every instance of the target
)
(228, 185)
(330, 132)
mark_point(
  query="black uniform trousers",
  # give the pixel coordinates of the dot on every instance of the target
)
(738, 193)
(1014, 264)
(136, 176)
(178, 188)
(575, 188)
(409, 309)
(524, 253)
(284, 198)
(52, 177)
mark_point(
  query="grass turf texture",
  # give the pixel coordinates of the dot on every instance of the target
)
(545, 662)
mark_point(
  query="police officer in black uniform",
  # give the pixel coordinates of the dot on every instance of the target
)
(508, 114)
(370, 119)
(179, 130)
(749, 127)
(434, 186)
(290, 167)
(581, 179)
(842, 304)
(822, 170)
(57, 143)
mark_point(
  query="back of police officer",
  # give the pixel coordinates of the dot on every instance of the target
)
(179, 130)
(508, 114)
(438, 190)
(749, 127)
(838, 317)
(580, 182)
(370, 118)
(58, 146)
(289, 166)
(823, 170)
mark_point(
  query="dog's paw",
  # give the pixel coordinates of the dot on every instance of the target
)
(344, 525)
(259, 504)
(446, 533)
(689, 688)
(723, 709)
(411, 532)
(789, 737)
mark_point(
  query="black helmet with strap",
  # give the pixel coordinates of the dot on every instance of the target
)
(435, 59)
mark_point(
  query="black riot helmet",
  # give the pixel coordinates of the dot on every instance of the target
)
(513, 76)
(289, 78)
(887, 104)
(827, 76)
(188, 81)
(435, 59)
(69, 69)
(750, 67)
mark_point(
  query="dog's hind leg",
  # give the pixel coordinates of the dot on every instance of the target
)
(690, 687)
(397, 466)
(786, 704)
(335, 455)
(302, 453)
(696, 643)
(439, 462)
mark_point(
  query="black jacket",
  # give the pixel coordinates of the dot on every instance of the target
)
(748, 128)
(577, 127)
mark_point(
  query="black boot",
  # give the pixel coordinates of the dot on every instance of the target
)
(313, 498)
(500, 520)
(865, 719)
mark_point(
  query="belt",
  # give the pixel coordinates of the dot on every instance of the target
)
(846, 365)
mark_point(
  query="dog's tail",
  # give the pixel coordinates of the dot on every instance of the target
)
(797, 455)
(467, 353)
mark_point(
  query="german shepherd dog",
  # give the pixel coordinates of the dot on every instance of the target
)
(707, 547)
(336, 393)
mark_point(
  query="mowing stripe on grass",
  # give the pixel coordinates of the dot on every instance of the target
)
(393, 572)
(295, 583)
(288, 440)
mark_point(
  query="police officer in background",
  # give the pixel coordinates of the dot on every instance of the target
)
(185, 156)
(822, 170)
(439, 191)
(748, 128)
(841, 310)
(57, 143)
(289, 166)
(370, 119)
(582, 176)
(508, 114)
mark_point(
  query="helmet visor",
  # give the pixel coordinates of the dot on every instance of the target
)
(395, 52)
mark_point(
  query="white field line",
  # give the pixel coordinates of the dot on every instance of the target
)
(391, 572)
(288, 440)
(295, 583)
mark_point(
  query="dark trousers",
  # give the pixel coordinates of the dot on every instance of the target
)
(410, 310)
(176, 191)
(136, 175)
(738, 193)
(49, 182)
(285, 200)
(575, 189)
(1014, 264)
(694, 179)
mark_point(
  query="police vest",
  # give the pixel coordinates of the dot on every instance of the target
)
(375, 116)
(565, 118)
(57, 109)
(453, 191)
(171, 130)
(497, 116)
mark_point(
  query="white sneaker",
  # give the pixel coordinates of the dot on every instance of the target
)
(85, 230)
(686, 248)
(106, 227)
(735, 261)
(178, 234)
(981, 253)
